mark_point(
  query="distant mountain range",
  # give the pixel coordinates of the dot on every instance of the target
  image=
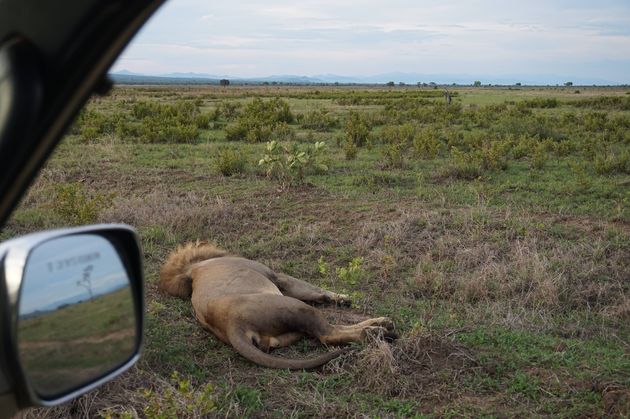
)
(128, 77)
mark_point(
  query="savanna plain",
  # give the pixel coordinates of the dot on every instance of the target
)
(494, 230)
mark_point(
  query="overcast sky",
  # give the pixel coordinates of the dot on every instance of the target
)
(572, 38)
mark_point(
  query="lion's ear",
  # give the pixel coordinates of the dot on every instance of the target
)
(202, 243)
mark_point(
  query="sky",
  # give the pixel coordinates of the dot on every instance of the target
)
(54, 267)
(565, 38)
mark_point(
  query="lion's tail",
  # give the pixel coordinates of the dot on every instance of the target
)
(246, 348)
(175, 273)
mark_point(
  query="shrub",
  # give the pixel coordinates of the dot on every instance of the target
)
(203, 120)
(318, 120)
(426, 143)
(394, 155)
(540, 157)
(260, 121)
(229, 110)
(464, 166)
(289, 164)
(177, 122)
(356, 129)
(401, 134)
(155, 130)
(75, 206)
(349, 149)
(524, 146)
(230, 161)
(610, 164)
(271, 111)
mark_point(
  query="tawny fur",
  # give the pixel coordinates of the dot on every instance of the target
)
(247, 305)
(175, 276)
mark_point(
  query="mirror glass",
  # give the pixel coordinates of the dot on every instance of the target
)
(76, 315)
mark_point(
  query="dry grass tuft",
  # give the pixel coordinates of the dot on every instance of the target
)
(174, 211)
(419, 365)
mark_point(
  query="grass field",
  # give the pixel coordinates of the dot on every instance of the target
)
(495, 231)
(60, 349)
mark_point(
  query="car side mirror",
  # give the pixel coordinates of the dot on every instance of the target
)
(74, 316)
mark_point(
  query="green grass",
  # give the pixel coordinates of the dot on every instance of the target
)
(503, 264)
(78, 343)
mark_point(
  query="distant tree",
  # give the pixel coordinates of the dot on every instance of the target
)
(518, 84)
(390, 83)
(568, 83)
(477, 83)
(401, 83)
(224, 82)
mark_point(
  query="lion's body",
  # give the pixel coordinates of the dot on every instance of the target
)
(254, 309)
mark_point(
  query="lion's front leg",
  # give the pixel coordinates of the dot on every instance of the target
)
(296, 288)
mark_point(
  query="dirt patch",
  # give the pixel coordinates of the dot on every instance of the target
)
(420, 365)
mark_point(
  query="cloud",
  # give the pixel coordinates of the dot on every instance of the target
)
(253, 38)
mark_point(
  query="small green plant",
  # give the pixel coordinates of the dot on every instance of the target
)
(322, 267)
(230, 161)
(75, 206)
(289, 163)
(394, 155)
(581, 176)
(353, 273)
(540, 157)
(249, 399)
(181, 399)
(349, 149)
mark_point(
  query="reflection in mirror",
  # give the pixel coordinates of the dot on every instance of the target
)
(76, 316)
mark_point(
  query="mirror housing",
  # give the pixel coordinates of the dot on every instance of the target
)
(37, 260)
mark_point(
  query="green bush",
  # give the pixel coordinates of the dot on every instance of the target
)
(540, 157)
(318, 120)
(350, 149)
(610, 164)
(356, 129)
(289, 163)
(77, 207)
(426, 143)
(464, 166)
(231, 161)
(229, 110)
(394, 155)
(260, 121)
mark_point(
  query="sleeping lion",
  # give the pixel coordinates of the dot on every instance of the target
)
(256, 310)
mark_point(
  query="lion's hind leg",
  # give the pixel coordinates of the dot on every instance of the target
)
(281, 320)
(340, 334)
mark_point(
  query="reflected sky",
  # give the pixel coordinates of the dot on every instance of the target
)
(70, 269)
